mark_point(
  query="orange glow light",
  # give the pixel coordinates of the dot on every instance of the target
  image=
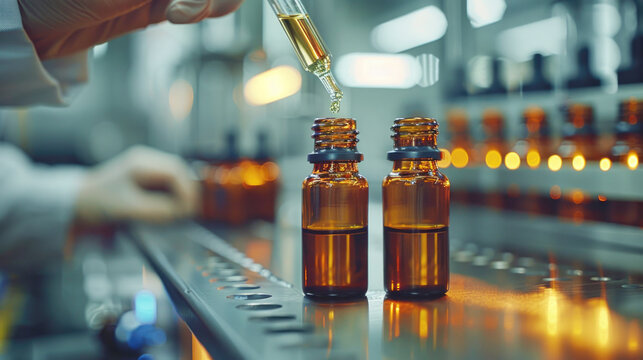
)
(555, 192)
(577, 197)
(554, 163)
(252, 175)
(198, 351)
(632, 161)
(605, 164)
(459, 158)
(578, 162)
(270, 171)
(493, 159)
(446, 159)
(632, 342)
(533, 158)
(602, 198)
(512, 161)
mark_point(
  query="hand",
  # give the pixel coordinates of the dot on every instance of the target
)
(63, 27)
(140, 184)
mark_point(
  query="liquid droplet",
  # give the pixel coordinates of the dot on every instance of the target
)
(335, 101)
(334, 106)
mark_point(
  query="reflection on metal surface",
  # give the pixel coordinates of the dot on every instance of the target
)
(344, 323)
(198, 351)
(551, 290)
(411, 330)
(568, 326)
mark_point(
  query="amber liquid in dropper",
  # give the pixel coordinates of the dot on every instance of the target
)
(312, 53)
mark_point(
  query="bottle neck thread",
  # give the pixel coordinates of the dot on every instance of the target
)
(335, 139)
(414, 138)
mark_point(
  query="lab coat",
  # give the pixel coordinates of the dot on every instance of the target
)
(36, 202)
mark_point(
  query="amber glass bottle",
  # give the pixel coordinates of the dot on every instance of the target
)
(629, 134)
(534, 148)
(578, 147)
(335, 214)
(579, 136)
(416, 213)
(627, 150)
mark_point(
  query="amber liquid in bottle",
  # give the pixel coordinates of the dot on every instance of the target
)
(312, 53)
(416, 213)
(335, 215)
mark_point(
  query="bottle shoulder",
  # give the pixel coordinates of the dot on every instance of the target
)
(432, 177)
(337, 179)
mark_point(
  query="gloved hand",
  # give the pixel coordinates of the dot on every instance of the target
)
(140, 184)
(62, 27)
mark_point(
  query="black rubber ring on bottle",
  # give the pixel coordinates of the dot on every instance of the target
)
(335, 155)
(414, 152)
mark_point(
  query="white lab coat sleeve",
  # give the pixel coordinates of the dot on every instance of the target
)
(24, 79)
(36, 210)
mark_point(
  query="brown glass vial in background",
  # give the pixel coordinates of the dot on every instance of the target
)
(460, 144)
(627, 151)
(628, 147)
(261, 182)
(493, 150)
(534, 148)
(416, 213)
(461, 151)
(579, 145)
(335, 214)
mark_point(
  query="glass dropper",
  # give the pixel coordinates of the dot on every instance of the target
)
(308, 45)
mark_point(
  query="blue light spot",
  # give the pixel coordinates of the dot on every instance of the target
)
(145, 307)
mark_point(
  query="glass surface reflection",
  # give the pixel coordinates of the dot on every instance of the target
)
(478, 319)
(345, 324)
(411, 329)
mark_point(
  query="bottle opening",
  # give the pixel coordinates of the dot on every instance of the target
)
(335, 140)
(415, 138)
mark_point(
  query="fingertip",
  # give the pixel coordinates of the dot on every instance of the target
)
(187, 11)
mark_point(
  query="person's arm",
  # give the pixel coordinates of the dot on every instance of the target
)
(36, 209)
(39, 205)
(44, 43)
(26, 80)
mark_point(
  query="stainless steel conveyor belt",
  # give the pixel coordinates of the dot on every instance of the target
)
(521, 287)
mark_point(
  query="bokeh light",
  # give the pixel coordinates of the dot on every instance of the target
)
(272, 85)
(181, 99)
(578, 162)
(605, 164)
(445, 162)
(533, 158)
(493, 159)
(632, 161)
(554, 163)
(512, 161)
(459, 157)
